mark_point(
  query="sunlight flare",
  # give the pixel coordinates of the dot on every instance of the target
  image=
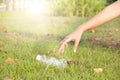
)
(35, 7)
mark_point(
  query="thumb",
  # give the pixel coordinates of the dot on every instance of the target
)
(75, 45)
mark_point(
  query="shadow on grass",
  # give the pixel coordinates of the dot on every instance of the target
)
(112, 44)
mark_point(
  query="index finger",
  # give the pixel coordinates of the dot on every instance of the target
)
(63, 44)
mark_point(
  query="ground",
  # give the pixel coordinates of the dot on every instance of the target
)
(24, 36)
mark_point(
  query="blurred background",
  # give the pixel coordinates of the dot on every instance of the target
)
(56, 7)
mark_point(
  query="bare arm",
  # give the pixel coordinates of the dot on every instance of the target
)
(102, 17)
(107, 14)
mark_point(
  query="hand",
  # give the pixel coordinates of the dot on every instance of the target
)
(75, 37)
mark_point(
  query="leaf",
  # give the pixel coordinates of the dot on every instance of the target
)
(93, 30)
(98, 70)
(57, 55)
(5, 52)
(7, 78)
(1, 43)
(116, 30)
(98, 38)
(3, 28)
(11, 60)
(73, 62)
(51, 51)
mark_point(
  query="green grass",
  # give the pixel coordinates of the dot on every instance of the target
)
(27, 36)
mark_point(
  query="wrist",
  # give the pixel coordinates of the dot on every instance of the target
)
(80, 30)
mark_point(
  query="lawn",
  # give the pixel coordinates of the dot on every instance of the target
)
(29, 35)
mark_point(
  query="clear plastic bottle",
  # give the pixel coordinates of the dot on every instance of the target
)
(60, 63)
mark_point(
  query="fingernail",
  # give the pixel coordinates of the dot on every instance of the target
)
(74, 51)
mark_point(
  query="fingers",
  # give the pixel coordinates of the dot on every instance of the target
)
(75, 45)
(64, 44)
(61, 48)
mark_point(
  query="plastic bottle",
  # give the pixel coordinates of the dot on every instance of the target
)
(60, 63)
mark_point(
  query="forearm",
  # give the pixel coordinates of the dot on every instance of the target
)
(107, 14)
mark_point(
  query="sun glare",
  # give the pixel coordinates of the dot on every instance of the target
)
(35, 7)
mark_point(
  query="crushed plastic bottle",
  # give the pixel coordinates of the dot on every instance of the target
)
(60, 63)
